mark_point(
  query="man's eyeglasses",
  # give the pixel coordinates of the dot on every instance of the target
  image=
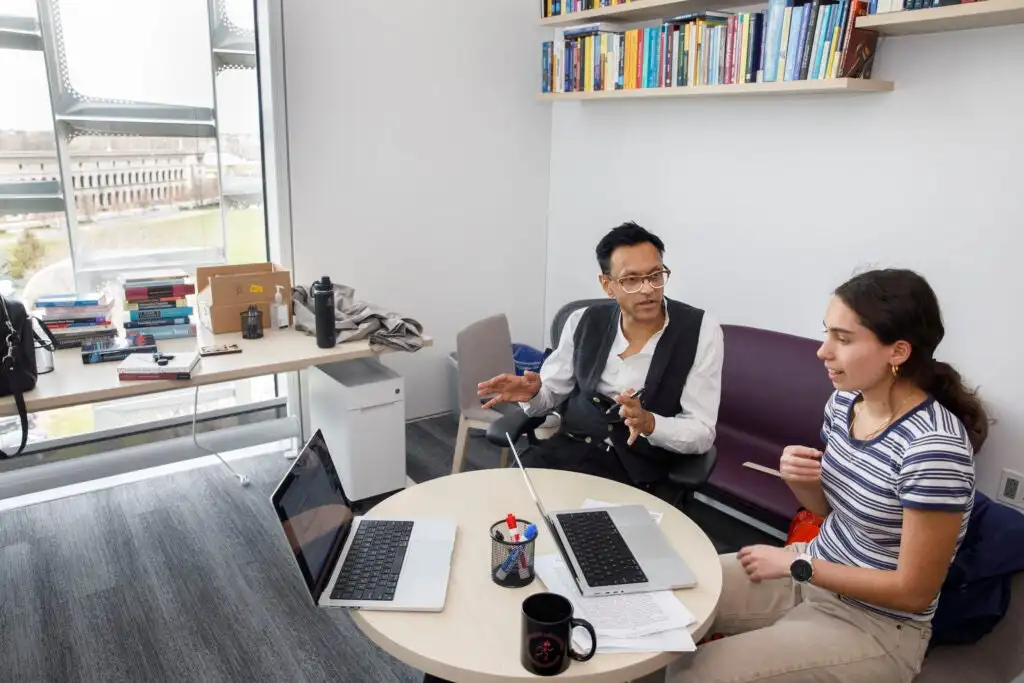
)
(631, 284)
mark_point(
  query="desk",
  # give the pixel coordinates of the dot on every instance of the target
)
(476, 638)
(75, 383)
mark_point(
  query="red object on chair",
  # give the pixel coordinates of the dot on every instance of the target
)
(804, 527)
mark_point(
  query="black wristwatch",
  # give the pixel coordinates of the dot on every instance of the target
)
(801, 569)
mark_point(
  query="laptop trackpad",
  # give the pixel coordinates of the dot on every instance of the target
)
(424, 577)
(640, 532)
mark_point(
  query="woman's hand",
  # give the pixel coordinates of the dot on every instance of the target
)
(801, 465)
(765, 562)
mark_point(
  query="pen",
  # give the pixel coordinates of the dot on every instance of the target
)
(510, 521)
(531, 533)
(517, 555)
(636, 394)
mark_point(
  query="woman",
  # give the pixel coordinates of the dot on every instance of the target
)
(895, 484)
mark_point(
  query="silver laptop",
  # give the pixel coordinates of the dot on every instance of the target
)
(379, 563)
(610, 550)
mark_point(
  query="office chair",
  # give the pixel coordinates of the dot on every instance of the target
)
(484, 350)
(683, 479)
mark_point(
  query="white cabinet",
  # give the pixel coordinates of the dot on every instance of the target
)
(359, 406)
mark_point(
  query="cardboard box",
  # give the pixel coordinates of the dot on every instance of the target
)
(225, 292)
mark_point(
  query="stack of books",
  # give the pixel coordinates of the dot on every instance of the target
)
(157, 306)
(77, 319)
(789, 41)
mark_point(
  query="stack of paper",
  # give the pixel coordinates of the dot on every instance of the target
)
(636, 622)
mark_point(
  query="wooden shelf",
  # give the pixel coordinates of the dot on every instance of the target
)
(983, 14)
(831, 85)
(637, 10)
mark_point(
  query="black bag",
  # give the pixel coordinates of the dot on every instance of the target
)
(18, 370)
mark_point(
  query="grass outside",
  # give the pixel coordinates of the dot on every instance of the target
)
(246, 236)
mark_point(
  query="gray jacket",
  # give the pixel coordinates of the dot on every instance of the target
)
(359, 320)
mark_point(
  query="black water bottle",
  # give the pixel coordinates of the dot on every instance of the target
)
(323, 310)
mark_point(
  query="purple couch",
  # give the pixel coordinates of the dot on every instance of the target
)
(774, 391)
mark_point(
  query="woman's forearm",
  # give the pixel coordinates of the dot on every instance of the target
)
(877, 586)
(811, 497)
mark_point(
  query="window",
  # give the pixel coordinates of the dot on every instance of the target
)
(167, 157)
(33, 229)
(166, 37)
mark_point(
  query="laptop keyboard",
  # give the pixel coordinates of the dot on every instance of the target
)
(600, 550)
(374, 561)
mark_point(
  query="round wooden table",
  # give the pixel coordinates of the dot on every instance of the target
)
(475, 639)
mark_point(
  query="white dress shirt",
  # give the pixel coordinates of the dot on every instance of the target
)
(691, 430)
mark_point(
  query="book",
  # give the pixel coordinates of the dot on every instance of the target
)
(860, 55)
(157, 313)
(140, 366)
(150, 304)
(165, 332)
(136, 294)
(117, 349)
(72, 300)
(155, 322)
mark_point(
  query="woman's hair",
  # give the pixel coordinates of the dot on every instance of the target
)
(899, 305)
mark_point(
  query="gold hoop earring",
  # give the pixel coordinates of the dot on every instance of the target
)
(895, 371)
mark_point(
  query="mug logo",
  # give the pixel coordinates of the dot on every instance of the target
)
(545, 649)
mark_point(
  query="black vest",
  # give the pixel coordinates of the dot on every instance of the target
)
(584, 411)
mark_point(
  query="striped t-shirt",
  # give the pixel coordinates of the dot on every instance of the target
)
(923, 460)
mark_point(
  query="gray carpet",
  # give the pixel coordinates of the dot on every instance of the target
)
(184, 577)
(180, 578)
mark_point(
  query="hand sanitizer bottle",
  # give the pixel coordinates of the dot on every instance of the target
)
(279, 314)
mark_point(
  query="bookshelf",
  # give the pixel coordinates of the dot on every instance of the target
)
(985, 14)
(637, 10)
(807, 87)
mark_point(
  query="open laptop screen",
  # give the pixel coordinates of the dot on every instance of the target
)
(314, 511)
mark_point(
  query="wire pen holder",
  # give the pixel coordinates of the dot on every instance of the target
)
(512, 561)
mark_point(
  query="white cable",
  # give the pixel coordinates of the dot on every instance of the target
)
(242, 479)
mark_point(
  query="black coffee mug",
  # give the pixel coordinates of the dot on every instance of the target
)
(547, 635)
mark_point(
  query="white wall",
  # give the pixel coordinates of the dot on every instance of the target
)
(419, 164)
(767, 204)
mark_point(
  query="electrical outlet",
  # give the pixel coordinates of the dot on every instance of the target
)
(1011, 488)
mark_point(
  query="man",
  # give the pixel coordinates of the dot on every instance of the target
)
(606, 353)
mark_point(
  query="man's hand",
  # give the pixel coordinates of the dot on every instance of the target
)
(509, 388)
(801, 465)
(765, 562)
(638, 420)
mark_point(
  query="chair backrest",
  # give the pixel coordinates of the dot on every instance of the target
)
(484, 351)
(773, 386)
(563, 314)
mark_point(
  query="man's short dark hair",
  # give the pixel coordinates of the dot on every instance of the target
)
(626, 235)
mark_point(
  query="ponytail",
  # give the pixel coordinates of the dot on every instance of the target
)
(948, 388)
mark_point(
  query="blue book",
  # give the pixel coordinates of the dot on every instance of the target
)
(169, 332)
(156, 313)
(65, 300)
(792, 60)
(773, 39)
(117, 349)
(545, 67)
(652, 58)
(805, 35)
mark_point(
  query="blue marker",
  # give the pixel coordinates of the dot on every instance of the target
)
(515, 556)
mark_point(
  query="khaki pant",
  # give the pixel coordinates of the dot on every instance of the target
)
(788, 633)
